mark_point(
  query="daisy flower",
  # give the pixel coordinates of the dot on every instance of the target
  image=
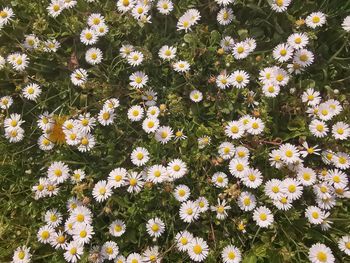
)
(53, 218)
(150, 97)
(196, 96)
(223, 80)
(58, 172)
(274, 189)
(31, 91)
(165, 6)
(318, 128)
(134, 258)
(88, 36)
(117, 177)
(344, 244)
(101, 191)
(220, 209)
(106, 117)
(311, 97)
(226, 150)
(156, 174)
(271, 90)
(81, 215)
(135, 58)
(82, 233)
(246, 201)
(51, 45)
(73, 252)
(298, 40)
(181, 66)
(125, 50)
(167, 52)
(22, 255)
(182, 193)
(234, 129)
(138, 79)
(19, 61)
(5, 102)
(292, 188)
(125, 5)
(256, 126)
(263, 216)
(31, 42)
(238, 167)
(224, 2)
(109, 250)
(341, 131)
(177, 168)
(139, 156)
(164, 134)
(55, 8)
(282, 52)
(346, 24)
(303, 57)
(198, 249)
(44, 234)
(189, 211)
(227, 43)
(315, 19)
(252, 178)
(289, 153)
(58, 240)
(155, 227)
(231, 254)
(314, 214)
(93, 56)
(183, 240)
(79, 77)
(135, 181)
(225, 16)
(150, 125)
(319, 253)
(95, 19)
(153, 111)
(306, 176)
(152, 254)
(240, 79)
(280, 5)
(117, 228)
(135, 113)
(240, 50)
(203, 204)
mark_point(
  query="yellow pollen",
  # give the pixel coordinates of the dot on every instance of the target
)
(197, 249)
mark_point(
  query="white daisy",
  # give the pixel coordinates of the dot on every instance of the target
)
(263, 216)
(315, 19)
(93, 56)
(155, 227)
(319, 253)
(101, 191)
(198, 249)
(139, 156)
(117, 228)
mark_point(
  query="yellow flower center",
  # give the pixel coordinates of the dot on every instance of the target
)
(102, 190)
(321, 256)
(263, 217)
(45, 235)
(80, 218)
(340, 131)
(56, 8)
(106, 116)
(84, 141)
(275, 189)
(303, 57)
(315, 215)
(133, 181)
(240, 167)
(297, 40)
(88, 36)
(73, 250)
(283, 52)
(292, 188)
(126, 2)
(139, 156)
(220, 179)
(189, 211)
(306, 176)
(220, 209)
(182, 192)
(246, 201)
(21, 254)
(240, 50)
(231, 255)
(316, 19)
(83, 234)
(239, 78)
(184, 241)
(60, 239)
(155, 228)
(197, 249)
(118, 228)
(342, 160)
(234, 129)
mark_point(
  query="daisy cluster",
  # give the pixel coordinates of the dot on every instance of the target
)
(227, 173)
